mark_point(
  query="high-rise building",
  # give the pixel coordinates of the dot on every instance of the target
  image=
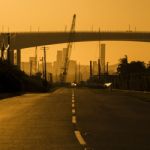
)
(15, 57)
(59, 61)
(95, 68)
(32, 61)
(59, 56)
(40, 65)
(64, 55)
(102, 57)
(71, 76)
(25, 66)
(55, 71)
(49, 67)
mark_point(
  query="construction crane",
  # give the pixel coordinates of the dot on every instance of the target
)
(68, 51)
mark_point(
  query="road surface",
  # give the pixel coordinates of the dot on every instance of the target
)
(76, 119)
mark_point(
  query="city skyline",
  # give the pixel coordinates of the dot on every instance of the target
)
(133, 51)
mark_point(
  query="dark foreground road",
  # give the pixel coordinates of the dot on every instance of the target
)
(37, 122)
(114, 120)
(70, 119)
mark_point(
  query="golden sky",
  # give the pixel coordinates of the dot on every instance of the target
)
(51, 15)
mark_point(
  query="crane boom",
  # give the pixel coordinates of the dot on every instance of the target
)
(68, 50)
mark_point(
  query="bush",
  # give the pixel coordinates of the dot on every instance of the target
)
(14, 80)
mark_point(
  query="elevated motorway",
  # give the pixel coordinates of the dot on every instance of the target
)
(22, 40)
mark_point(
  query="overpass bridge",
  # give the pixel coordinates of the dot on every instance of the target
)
(22, 40)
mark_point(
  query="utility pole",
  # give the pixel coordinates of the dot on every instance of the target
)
(79, 73)
(99, 69)
(45, 71)
(8, 50)
(107, 67)
(38, 66)
(75, 74)
(30, 67)
(99, 61)
(91, 70)
(42, 67)
(2, 52)
(36, 59)
(10, 53)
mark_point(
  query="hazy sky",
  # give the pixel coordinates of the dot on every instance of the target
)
(52, 15)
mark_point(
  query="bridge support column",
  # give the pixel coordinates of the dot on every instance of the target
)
(10, 52)
(10, 56)
(19, 58)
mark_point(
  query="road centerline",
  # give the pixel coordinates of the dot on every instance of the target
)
(79, 137)
(74, 121)
(73, 105)
(77, 133)
(73, 111)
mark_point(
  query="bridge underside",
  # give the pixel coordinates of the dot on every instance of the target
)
(32, 39)
(22, 40)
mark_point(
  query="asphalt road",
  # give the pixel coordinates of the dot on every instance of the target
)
(114, 120)
(37, 122)
(76, 119)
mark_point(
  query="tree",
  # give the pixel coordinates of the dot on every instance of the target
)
(125, 68)
(137, 67)
(148, 67)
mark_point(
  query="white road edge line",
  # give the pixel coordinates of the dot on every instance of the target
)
(79, 137)
(74, 121)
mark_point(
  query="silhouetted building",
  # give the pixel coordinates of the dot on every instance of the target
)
(41, 65)
(102, 57)
(25, 66)
(95, 68)
(55, 74)
(59, 60)
(85, 72)
(64, 55)
(71, 76)
(49, 67)
(32, 61)
(15, 58)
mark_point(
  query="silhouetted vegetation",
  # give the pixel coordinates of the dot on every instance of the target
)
(14, 80)
(132, 76)
(125, 68)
